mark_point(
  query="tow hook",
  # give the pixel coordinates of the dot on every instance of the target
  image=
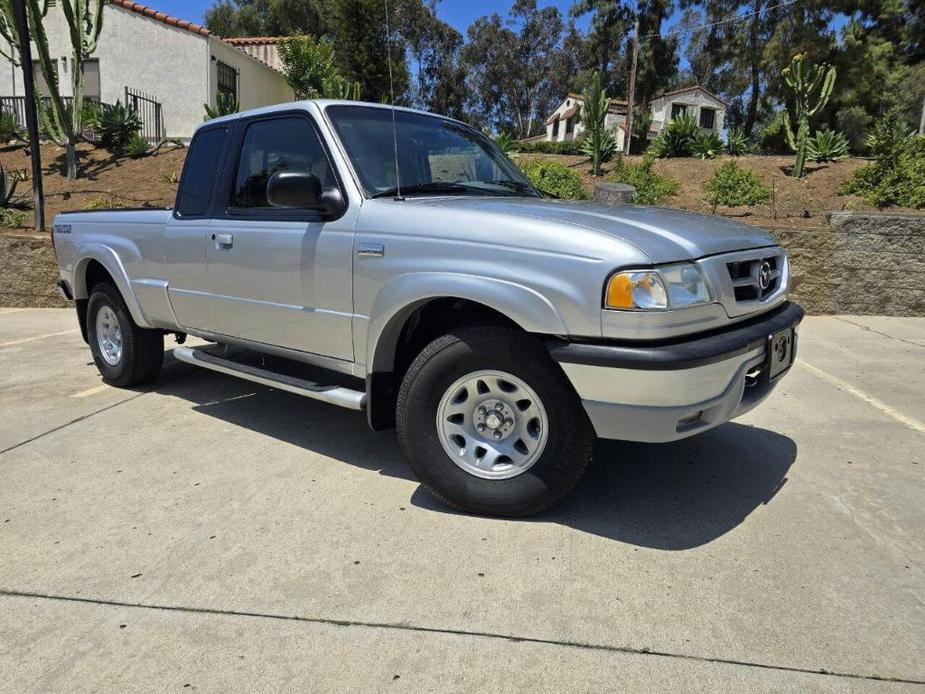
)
(180, 338)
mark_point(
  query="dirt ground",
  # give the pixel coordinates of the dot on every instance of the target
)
(108, 181)
(796, 202)
(104, 180)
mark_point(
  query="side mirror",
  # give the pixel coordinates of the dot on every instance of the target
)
(301, 190)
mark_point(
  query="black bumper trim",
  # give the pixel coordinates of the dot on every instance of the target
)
(667, 356)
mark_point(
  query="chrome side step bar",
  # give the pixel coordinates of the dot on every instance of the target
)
(336, 395)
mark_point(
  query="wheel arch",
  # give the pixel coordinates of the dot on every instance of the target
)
(101, 264)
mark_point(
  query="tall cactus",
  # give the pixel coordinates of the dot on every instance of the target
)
(594, 113)
(804, 80)
(61, 123)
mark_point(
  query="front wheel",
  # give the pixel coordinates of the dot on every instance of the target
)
(125, 354)
(491, 425)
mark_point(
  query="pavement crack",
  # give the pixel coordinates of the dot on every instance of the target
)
(878, 332)
(509, 638)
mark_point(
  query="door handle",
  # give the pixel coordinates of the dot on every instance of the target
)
(223, 240)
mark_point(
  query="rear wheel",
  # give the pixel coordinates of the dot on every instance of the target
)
(490, 423)
(125, 354)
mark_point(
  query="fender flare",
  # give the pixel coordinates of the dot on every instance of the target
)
(401, 296)
(109, 259)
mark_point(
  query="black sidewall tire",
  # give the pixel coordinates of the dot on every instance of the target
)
(570, 437)
(142, 350)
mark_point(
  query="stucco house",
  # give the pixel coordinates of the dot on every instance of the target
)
(166, 66)
(710, 111)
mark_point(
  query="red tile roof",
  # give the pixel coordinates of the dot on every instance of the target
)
(254, 40)
(161, 16)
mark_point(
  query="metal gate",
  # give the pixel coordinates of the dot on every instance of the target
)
(149, 111)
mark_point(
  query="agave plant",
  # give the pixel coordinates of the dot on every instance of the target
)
(677, 137)
(707, 146)
(506, 143)
(225, 105)
(826, 145)
(608, 146)
(118, 124)
(736, 142)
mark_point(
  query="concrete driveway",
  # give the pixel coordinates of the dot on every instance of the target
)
(209, 534)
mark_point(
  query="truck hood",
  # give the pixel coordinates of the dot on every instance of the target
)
(663, 234)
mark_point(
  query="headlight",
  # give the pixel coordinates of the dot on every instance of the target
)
(671, 286)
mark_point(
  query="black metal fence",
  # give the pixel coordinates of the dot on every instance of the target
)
(150, 111)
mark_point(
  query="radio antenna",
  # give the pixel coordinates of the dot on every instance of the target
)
(388, 48)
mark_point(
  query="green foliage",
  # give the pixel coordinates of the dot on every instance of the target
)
(15, 219)
(594, 113)
(897, 178)
(555, 179)
(137, 146)
(506, 143)
(651, 188)
(677, 138)
(888, 137)
(336, 87)
(805, 81)
(307, 63)
(734, 186)
(225, 105)
(8, 126)
(608, 146)
(737, 142)
(572, 147)
(118, 125)
(170, 177)
(104, 202)
(853, 123)
(772, 137)
(707, 146)
(826, 145)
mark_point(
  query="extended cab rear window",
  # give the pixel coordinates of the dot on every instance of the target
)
(202, 168)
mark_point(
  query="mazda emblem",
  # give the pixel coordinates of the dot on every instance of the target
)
(764, 275)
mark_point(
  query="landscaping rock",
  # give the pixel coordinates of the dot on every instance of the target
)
(614, 193)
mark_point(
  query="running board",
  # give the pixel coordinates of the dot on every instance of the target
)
(336, 395)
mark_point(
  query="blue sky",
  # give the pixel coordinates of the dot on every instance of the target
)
(459, 13)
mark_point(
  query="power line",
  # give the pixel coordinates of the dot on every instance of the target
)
(730, 20)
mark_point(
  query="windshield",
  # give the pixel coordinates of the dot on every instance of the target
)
(436, 156)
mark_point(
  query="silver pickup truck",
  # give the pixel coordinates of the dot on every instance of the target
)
(398, 263)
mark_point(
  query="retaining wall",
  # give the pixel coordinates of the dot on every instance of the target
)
(28, 271)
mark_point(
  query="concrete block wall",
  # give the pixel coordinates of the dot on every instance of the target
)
(861, 263)
(28, 271)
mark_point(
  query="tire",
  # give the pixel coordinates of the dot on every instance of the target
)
(132, 355)
(547, 462)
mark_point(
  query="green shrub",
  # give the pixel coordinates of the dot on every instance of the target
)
(15, 219)
(733, 186)
(853, 122)
(118, 124)
(137, 146)
(556, 179)
(8, 126)
(826, 145)
(104, 202)
(543, 147)
(677, 138)
(897, 178)
(225, 105)
(651, 189)
(772, 138)
(736, 142)
(608, 146)
(707, 146)
(888, 137)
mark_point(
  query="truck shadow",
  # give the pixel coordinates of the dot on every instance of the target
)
(672, 496)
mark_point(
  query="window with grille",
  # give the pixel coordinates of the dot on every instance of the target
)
(227, 80)
(707, 118)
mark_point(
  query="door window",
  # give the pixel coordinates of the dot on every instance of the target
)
(271, 146)
(202, 166)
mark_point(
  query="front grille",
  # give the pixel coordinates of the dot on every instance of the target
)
(754, 280)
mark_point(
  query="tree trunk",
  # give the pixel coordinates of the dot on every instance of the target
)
(70, 150)
(754, 53)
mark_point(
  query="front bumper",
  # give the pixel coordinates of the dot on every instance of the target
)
(671, 389)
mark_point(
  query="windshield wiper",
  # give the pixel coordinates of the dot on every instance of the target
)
(514, 185)
(432, 187)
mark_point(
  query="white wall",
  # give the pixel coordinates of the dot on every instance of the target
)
(611, 121)
(258, 84)
(170, 64)
(694, 100)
